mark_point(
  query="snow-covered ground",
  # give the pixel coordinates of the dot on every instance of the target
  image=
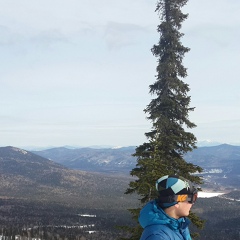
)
(203, 194)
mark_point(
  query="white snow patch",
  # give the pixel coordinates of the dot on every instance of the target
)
(209, 194)
(116, 147)
(90, 232)
(19, 150)
(87, 215)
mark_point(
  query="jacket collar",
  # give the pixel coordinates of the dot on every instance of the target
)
(152, 214)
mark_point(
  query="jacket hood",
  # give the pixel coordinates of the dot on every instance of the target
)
(151, 214)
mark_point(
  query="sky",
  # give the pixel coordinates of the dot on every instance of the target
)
(77, 72)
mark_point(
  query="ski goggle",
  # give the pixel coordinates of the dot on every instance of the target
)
(191, 198)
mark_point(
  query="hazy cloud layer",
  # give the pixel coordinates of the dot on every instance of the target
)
(77, 72)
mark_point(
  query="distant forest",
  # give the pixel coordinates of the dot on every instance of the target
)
(28, 220)
(32, 220)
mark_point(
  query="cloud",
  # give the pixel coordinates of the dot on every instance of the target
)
(48, 38)
(74, 64)
(119, 35)
(7, 37)
(225, 131)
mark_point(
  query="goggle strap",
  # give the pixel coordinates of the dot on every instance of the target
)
(178, 198)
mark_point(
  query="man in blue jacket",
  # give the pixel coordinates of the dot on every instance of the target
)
(165, 218)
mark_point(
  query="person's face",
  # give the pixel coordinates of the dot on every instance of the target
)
(183, 209)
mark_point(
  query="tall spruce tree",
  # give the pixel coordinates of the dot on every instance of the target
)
(168, 140)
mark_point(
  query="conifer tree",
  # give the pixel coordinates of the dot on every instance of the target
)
(169, 139)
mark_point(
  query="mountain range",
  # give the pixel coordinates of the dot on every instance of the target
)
(25, 175)
(52, 187)
(92, 159)
(74, 175)
(221, 163)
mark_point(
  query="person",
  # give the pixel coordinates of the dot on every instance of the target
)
(165, 218)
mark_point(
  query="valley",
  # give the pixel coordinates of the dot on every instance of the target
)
(44, 199)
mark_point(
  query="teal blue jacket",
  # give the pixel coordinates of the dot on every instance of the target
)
(159, 226)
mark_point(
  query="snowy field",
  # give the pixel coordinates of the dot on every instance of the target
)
(208, 194)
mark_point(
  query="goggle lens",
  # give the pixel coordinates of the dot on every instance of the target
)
(192, 198)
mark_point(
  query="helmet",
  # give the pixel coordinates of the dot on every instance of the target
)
(173, 189)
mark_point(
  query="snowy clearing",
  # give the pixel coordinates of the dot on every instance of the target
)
(208, 194)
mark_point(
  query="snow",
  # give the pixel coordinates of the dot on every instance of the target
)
(209, 194)
(19, 150)
(117, 147)
(90, 232)
(87, 215)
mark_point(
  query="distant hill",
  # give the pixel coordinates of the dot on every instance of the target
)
(221, 163)
(92, 159)
(74, 175)
(26, 175)
(36, 191)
